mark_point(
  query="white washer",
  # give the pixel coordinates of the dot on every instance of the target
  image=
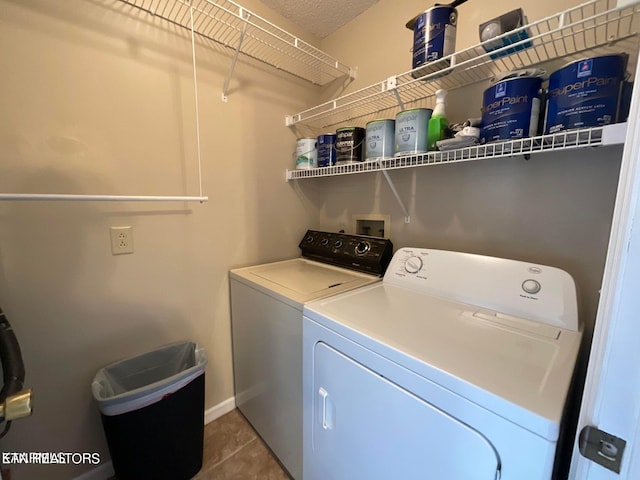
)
(456, 367)
(266, 319)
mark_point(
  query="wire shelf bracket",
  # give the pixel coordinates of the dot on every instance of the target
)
(225, 88)
(407, 218)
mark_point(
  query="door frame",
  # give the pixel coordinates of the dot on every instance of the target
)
(612, 365)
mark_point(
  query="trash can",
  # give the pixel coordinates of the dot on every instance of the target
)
(152, 408)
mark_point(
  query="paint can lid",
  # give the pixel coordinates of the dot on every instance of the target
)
(345, 129)
(416, 110)
(384, 120)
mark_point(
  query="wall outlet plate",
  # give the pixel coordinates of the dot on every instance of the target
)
(121, 240)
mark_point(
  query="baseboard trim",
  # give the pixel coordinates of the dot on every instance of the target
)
(105, 470)
(220, 409)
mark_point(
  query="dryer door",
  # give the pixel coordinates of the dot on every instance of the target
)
(365, 426)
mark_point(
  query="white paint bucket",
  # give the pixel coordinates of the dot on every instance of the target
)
(306, 153)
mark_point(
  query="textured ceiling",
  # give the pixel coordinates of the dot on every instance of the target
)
(320, 17)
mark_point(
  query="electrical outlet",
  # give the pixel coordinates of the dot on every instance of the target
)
(121, 240)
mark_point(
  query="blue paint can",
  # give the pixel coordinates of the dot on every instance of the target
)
(511, 109)
(380, 139)
(326, 150)
(412, 131)
(586, 93)
(434, 37)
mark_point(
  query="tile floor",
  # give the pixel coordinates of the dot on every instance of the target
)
(233, 451)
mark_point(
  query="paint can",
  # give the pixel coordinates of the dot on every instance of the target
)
(511, 109)
(434, 37)
(306, 153)
(380, 142)
(326, 149)
(586, 93)
(412, 131)
(349, 145)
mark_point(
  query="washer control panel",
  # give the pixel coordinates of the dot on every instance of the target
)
(536, 292)
(356, 252)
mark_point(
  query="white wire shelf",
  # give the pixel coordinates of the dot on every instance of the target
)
(568, 140)
(231, 25)
(599, 26)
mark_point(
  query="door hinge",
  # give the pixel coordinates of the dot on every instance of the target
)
(601, 447)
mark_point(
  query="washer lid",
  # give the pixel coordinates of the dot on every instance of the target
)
(500, 362)
(300, 280)
(304, 277)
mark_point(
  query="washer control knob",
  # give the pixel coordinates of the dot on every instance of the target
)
(338, 244)
(413, 264)
(531, 286)
(325, 242)
(362, 247)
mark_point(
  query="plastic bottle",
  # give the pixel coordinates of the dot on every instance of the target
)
(438, 121)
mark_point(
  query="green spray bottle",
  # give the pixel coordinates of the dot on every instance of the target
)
(438, 121)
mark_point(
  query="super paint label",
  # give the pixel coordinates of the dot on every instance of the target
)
(511, 109)
(507, 106)
(584, 88)
(585, 93)
(434, 35)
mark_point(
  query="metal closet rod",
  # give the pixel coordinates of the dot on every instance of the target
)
(97, 198)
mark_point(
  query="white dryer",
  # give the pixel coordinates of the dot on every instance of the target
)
(266, 321)
(456, 367)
